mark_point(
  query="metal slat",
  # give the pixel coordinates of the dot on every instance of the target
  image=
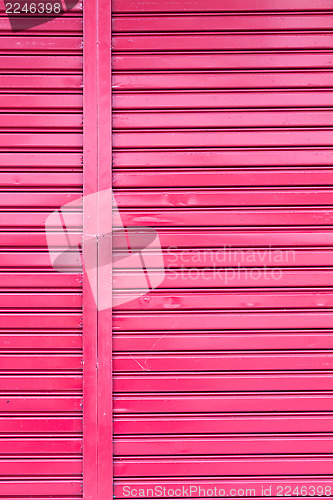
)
(217, 119)
(187, 6)
(188, 300)
(228, 99)
(41, 102)
(214, 41)
(51, 403)
(219, 361)
(214, 402)
(40, 44)
(213, 61)
(223, 177)
(215, 381)
(224, 138)
(217, 22)
(224, 158)
(220, 445)
(40, 83)
(41, 361)
(39, 341)
(224, 217)
(196, 341)
(42, 162)
(39, 63)
(221, 198)
(68, 24)
(220, 79)
(44, 382)
(69, 467)
(62, 488)
(207, 466)
(213, 423)
(39, 445)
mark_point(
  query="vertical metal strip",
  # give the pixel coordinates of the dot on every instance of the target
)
(90, 185)
(105, 438)
(97, 327)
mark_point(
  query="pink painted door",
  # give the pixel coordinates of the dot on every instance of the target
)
(222, 143)
(40, 309)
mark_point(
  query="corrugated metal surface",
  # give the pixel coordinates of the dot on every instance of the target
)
(40, 309)
(223, 142)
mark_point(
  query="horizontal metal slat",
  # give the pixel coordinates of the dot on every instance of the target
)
(37, 239)
(31, 383)
(210, 217)
(223, 158)
(250, 381)
(234, 423)
(198, 299)
(60, 25)
(168, 81)
(41, 320)
(195, 61)
(38, 445)
(213, 197)
(26, 260)
(208, 466)
(184, 300)
(39, 486)
(49, 44)
(228, 99)
(198, 41)
(39, 63)
(206, 402)
(41, 403)
(222, 340)
(213, 119)
(224, 138)
(39, 199)
(40, 83)
(206, 21)
(230, 278)
(218, 320)
(219, 445)
(235, 361)
(36, 180)
(227, 237)
(41, 162)
(41, 361)
(45, 467)
(43, 340)
(45, 424)
(16, 141)
(206, 177)
(28, 102)
(131, 6)
(40, 280)
(40, 300)
(29, 122)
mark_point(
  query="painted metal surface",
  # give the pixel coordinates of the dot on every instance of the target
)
(97, 324)
(40, 310)
(222, 142)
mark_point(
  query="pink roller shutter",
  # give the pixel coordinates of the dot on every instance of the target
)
(222, 142)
